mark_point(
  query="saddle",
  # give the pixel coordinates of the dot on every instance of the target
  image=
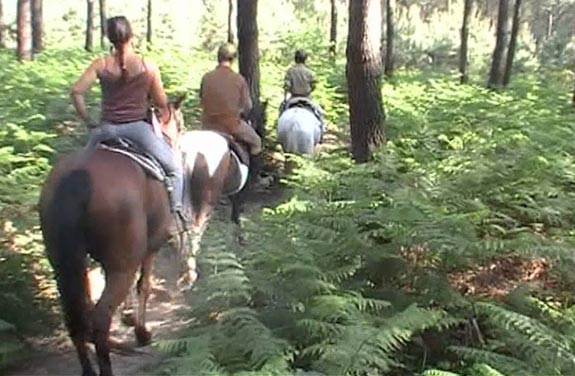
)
(302, 102)
(125, 147)
(238, 148)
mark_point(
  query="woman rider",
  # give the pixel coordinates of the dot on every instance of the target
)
(127, 82)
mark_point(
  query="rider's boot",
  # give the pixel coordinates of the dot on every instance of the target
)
(180, 222)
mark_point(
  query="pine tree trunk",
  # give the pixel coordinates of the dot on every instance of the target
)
(333, 28)
(363, 73)
(24, 30)
(512, 42)
(383, 40)
(463, 60)
(2, 27)
(37, 25)
(249, 56)
(103, 23)
(89, 45)
(230, 20)
(496, 72)
(389, 39)
(149, 25)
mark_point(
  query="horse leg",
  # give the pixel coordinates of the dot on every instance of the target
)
(127, 317)
(143, 336)
(198, 227)
(238, 201)
(118, 284)
(74, 287)
(80, 332)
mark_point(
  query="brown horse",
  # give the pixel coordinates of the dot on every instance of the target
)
(102, 204)
(215, 166)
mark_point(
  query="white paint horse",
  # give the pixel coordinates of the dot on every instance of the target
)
(213, 166)
(299, 129)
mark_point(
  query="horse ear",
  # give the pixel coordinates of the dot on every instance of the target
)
(178, 102)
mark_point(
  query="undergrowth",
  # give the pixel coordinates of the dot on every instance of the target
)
(349, 276)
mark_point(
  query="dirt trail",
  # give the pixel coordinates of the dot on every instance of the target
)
(56, 355)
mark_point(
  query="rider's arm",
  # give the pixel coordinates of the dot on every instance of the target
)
(287, 82)
(79, 88)
(157, 92)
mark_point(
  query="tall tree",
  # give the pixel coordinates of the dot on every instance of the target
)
(149, 25)
(89, 45)
(390, 33)
(103, 24)
(333, 28)
(512, 42)
(363, 73)
(496, 72)
(230, 19)
(463, 61)
(2, 27)
(37, 25)
(24, 30)
(249, 55)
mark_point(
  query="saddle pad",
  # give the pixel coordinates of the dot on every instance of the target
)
(150, 165)
(244, 170)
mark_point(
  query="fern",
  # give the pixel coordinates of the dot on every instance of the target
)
(436, 372)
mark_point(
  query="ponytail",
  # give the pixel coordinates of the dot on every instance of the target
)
(122, 61)
(119, 33)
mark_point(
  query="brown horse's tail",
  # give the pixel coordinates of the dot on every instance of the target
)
(64, 230)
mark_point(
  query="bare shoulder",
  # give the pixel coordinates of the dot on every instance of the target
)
(98, 63)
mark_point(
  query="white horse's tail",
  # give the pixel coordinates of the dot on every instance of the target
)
(298, 131)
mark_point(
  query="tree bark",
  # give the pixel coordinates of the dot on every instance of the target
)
(149, 25)
(2, 27)
(496, 72)
(230, 21)
(390, 32)
(248, 49)
(333, 28)
(103, 23)
(463, 61)
(363, 73)
(24, 30)
(89, 45)
(37, 25)
(512, 42)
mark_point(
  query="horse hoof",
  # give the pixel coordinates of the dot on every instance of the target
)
(187, 280)
(128, 319)
(143, 336)
(242, 239)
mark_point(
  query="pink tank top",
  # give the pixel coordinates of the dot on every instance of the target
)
(124, 100)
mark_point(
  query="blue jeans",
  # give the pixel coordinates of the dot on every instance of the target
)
(143, 136)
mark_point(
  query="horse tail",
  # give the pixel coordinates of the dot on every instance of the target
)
(65, 220)
(200, 176)
(295, 135)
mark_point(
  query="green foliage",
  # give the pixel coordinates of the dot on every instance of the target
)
(349, 275)
(9, 344)
(524, 344)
